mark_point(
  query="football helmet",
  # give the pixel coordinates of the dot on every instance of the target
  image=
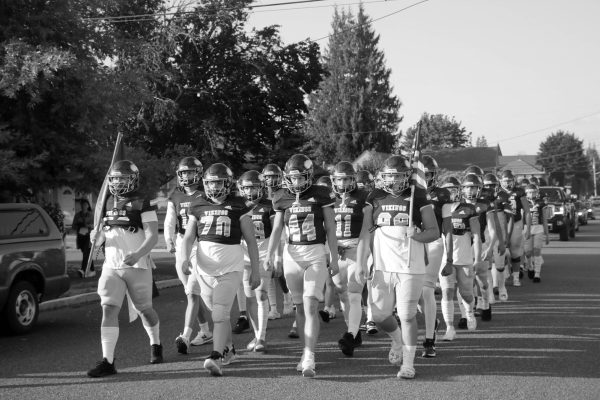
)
(273, 176)
(298, 166)
(453, 185)
(324, 181)
(343, 178)
(507, 180)
(474, 169)
(532, 191)
(378, 181)
(193, 167)
(431, 170)
(251, 185)
(534, 180)
(524, 182)
(217, 180)
(490, 181)
(365, 180)
(123, 177)
(470, 187)
(395, 174)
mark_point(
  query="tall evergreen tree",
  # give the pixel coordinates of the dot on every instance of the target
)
(562, 156)
(354, 108)
(437, 132)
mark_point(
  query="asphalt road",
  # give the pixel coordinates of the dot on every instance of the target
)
(544, 343)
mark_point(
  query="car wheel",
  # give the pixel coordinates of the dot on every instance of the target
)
(22, 308)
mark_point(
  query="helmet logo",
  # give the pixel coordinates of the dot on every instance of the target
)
(308, 164)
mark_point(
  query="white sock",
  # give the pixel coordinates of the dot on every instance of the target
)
(448, 312)
(461, 305)
(204, 328)
(408, 355)
(187, 332)
(241, 299)
(354, 313)
(153, 333)
(430, 308)
(396, 336)
(263, 316)
(272, 295)
(109, 336)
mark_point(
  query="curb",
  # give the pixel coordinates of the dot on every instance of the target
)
(87, 298)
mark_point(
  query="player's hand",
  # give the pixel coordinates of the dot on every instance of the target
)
(334, 269)
(131, 259)
(254, 279)
(186, 267)
(278, 272)
(547, 240)
(268, 264)
(410, 232)
(448, 269)
(361, 275)
(341, 252)
(171, 247)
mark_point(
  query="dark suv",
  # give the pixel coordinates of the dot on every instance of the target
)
(33, 264)
(562, 216)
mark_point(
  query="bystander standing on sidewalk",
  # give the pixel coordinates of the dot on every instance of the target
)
(83, 222)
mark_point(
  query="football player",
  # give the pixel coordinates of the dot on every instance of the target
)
(519, 226)
(460, 216)
(129, 232)
(219, 222)
(307, 213)
(399, 257)
(539, 225)
(251, 186)
(350, 202)
(437, 196)
(189, 174)
(365, 180)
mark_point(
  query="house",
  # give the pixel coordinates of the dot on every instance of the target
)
(457, 160)
(522, 166)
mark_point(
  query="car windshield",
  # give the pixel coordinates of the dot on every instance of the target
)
(553, 195)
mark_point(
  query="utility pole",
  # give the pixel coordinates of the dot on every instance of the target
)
(594, 175)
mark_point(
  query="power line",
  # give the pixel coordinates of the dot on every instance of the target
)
(373, 20)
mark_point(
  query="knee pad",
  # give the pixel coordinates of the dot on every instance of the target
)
(515, 259)
(538, 260)
(220, 313)
(263, 296)
(407, 311)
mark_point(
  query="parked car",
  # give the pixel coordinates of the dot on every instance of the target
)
(33, 265)
(582, 212)
(562, 217)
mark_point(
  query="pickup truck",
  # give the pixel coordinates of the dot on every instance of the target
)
(562, 216)
(33, 265)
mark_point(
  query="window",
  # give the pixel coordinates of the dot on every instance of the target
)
(22, 223)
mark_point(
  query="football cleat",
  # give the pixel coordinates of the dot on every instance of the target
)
(202, 338)
(462, 323)
(241, 325)
(213, 364)
(102, 369)
(450, 334)
(395, 356)
(156, 354)
(429, 349)
(346, 344)
(371, 328)
(229, 355)
(182, 343)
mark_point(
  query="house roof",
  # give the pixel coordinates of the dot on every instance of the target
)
(530, 159)
(520, 167)
(459, 159)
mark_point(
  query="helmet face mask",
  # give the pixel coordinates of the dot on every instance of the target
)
(298, 173)
(395, 174)
(532, 192)
(490, 181)
(431, 170)
(470, 188)
(452, 185)
(343, 179)
(189, 172)
(251, 185)
(273, 176)
(507, 183)
(123, 178)
(217, 180)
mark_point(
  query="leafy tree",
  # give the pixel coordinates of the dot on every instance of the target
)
(222, 92)
(562, 156)
(60, 106)
(437, 132)
(354, 109)
(481, 141)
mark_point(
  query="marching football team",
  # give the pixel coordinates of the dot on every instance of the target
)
(382, 245)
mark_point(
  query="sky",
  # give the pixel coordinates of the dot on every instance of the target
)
(513, 71)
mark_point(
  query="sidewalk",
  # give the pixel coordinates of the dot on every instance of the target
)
(83, 291)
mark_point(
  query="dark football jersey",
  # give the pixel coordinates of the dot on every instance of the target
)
(220, 223)
(349, 215)
(304, 216)
(389, 210)
(438, 197)
(461, 216)
(261, 217)
(537, 208)
(182, 203)
(515, 202)
(502, 202)
(126, 212)
(482, 209)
